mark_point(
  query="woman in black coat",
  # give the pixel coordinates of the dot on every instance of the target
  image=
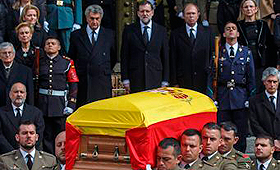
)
(255, 34)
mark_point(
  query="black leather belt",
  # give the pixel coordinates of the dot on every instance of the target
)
(59, 3)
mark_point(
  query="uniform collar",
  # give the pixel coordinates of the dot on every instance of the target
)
(265, 164)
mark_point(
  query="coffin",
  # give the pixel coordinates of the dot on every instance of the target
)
(123, 132)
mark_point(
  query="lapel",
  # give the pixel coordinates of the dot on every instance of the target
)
(25, 112)
(267, 104)
(278, 105)
(2, 72)
(199, 34)
(11, 116)
(38, 161)
(137, 30)
(19, 161)
(85, 40)
(13, 72)
(153, 33)
(184, 35)
(98, 44)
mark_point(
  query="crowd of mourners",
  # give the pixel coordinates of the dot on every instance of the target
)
(53, 62)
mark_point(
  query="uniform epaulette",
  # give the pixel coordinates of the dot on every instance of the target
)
(228, 157)
(67, 58)
(46, 154)
(9, 153)
(208, 163)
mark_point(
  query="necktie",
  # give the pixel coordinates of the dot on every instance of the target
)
(18, 116)
(262, 167)
(29, 161)
(187, 166)
(145, 35)
(192, 38)
(272, 102)
(7, 72)
(231, 52)
(205, 158)
(92, 38)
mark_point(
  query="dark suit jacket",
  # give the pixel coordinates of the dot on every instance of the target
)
(144, 66)
(18, 73)
(189, 62)
(93, 64)
(9, 126)
(264, 120)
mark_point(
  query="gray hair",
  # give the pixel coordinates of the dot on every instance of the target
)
(270, 71)
(94, 9)
(5, 45)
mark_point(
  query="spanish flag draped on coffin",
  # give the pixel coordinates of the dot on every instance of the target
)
(143, 118)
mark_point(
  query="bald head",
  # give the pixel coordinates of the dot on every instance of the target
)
(18, 94)
(60, 147)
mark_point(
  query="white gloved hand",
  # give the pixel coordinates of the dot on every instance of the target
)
(216, 103)
(46, 26)
(246, 104)
(205, 23)
(67, 110)
(76, 27)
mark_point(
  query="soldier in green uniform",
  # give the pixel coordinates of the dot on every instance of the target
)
(264, 149)
(62, 17)
(211, 140)
(229, 139)
(168, 154)
(27, 157)
(191, 146)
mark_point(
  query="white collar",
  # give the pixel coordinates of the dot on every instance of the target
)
(235, 46)
(226, 154)
(24, 153)
(194, 27)
(265, 164)
(8, 66)
(89, 30)
(183, 163)
(268, 94)
(20, 107)
(143, 25)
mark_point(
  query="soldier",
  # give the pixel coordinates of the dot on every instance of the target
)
(27, 157)
(62, 17)
(57, 91)
(229, 138)
(191, 146)
(264, 148)
(168, 154)
(211, 140)
(236, 83)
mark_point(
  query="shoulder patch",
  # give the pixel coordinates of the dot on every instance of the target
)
(46, 154)
(9, 153)
(208, 163)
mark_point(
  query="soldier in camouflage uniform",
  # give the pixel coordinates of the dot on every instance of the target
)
(211, 139)
(191, 146)
(264, 149)
(229, 138)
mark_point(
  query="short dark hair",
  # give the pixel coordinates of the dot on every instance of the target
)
(192, 132)
(263, 136)
(212, 126)
(229, 126)
(52, 37)
(25, 122)
(144, 2)
(232, 22)
(166, 142)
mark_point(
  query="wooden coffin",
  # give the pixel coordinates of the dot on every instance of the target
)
(102, 153)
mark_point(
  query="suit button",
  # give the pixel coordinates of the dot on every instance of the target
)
(195, 73)
(232, 80)
(51, 66)
(146, 52)
(232, 72)
(231, 88)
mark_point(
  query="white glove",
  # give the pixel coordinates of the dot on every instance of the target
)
(216, 103)
(67, 110)
(76, 27)
(246, 104)
(46, 26)
(180, 15)
(205, 23)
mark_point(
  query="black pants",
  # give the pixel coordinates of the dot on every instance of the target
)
(53, 126)
(240, 118)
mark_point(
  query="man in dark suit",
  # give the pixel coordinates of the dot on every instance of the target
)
(15, 112)
(190, 48)
(144, 52)
(11, 72)
(265, 109)
(264, 148)
(27, 157)
(93, 50)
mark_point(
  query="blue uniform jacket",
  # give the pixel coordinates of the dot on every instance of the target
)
(239, 71)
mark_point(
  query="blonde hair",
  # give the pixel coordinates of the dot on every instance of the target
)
(25, 24)
(242, 16)
(29, 7)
